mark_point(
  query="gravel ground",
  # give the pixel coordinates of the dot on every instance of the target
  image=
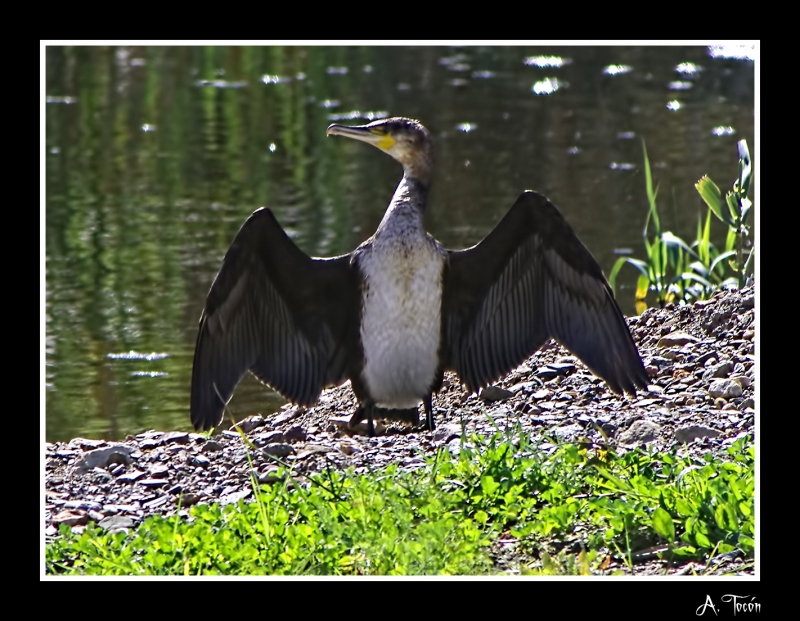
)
(701, 359)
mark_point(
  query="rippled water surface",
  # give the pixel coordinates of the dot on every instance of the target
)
(155, 156)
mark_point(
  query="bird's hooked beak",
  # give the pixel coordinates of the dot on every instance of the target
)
(376, 136)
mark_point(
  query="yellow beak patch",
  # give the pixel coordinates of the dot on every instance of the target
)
(386, 142)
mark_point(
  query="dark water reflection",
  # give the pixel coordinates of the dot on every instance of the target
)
(155, 157)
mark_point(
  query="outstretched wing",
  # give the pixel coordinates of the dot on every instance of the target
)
(275, 311)
(530, 280)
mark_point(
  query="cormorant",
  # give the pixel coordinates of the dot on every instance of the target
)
(399, 310)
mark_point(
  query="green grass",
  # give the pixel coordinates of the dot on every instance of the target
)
(676, 271)
(568, 510)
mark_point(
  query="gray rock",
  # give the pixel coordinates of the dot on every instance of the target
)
(272, 437)
(676, 339)
(101, 475)
(117, 469)
(348, 448)
(199, 460)
(189, 499)
(546, 373)
(86, 444)
(95, 516)
(742, 380)
(659, 361)
(640, 432)
(445, 433)
(159, 471)
(248, 424)
(568, 433)
(725, 388)
(212, 446)
(233, 497)
(84, 505)
(524, 386)
(114, 523)
(160, 501)
(495, 393)
(70, 518)
(720, 370)
(131, 477)
(690, 432)
(270, 476)
(454, 446)
(501, 412)
(175, 437)
(278, 449)
(286, 416)
(747, 403)
(295, 433)
(102, 457)
(563, 367)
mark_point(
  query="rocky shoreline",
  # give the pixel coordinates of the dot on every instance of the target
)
(700, 357)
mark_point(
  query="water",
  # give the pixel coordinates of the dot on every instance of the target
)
(155, 156)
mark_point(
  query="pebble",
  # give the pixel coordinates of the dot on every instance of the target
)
(159, 471)
(248, 424)
(278, 449)
(270, 476)
(690, 432)
(446, 433)
(115, 523)
(742, 380)
(676, 339)
(199, 460)
(295, 433)
(131, 477)
(640, 432)
(291, 413)
(102, 457)
(495, 393)
(568, 433)
(725, 388)
(70, 518)
(272, 437)
(175, 437)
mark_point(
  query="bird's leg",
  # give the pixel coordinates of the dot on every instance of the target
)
(429, 422)
(370, 422)
(365, 410)
(357, 417)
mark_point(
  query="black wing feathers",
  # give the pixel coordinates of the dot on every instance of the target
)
(530, 280)
(275, 311)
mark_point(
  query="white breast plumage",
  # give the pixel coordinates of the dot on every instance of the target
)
(401, 318)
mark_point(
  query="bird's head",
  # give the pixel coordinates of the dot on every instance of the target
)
(406, 140)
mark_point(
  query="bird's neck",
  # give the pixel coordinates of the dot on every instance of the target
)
(406, 207)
